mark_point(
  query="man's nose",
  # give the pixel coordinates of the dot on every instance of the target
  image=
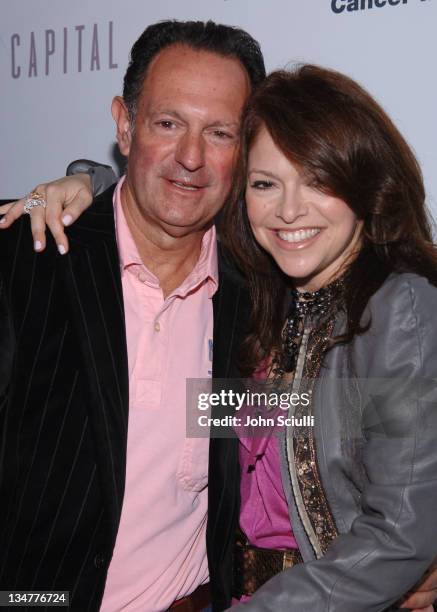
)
(190, 151)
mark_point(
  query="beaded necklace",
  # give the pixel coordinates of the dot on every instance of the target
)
(305, 306)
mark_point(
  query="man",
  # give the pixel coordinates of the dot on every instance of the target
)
(178, 126)
(100, 342)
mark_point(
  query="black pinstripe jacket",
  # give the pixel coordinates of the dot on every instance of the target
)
(64, 404)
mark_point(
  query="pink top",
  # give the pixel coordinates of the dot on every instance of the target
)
(160, 552)
(264, 516)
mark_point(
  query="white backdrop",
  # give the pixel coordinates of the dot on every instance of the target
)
(61, 63)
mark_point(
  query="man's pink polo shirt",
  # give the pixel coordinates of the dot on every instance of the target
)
(160, 552)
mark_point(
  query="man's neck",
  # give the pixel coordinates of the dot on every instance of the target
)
(171, 259)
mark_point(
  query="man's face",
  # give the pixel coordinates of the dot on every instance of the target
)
(183, 146)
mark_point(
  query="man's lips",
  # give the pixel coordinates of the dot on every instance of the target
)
(186, 185)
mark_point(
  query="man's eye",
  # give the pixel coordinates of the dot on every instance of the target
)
(261, 185)
(166, 124)
(222, 135)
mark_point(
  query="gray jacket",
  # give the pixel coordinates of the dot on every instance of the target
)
(375, 432)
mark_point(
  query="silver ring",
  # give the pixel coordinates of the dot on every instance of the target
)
(32, 200)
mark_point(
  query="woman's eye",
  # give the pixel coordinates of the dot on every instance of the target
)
(311, 182)
(261, 185)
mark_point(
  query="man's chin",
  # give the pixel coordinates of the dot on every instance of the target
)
(178, 228)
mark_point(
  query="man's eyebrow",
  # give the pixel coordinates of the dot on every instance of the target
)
(167, 111)
(235, 124)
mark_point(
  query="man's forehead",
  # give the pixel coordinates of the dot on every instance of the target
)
(183, 71)
(179, 56)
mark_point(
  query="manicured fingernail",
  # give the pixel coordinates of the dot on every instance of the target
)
(37, 245)
(67, 219)
(61, 249)
(3, 220)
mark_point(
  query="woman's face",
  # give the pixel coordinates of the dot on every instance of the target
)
(309, 234)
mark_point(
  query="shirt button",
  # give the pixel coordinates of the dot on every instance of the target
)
(99, 561)
(142, 278)
(157, 326)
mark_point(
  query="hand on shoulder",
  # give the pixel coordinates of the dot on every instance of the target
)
(65, 198)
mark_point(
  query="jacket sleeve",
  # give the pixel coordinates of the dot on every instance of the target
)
(6, 347)
(394, 539)
(102, 176)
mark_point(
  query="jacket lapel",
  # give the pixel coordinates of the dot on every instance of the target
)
(93, 283)
(231, 306)
(231, 315)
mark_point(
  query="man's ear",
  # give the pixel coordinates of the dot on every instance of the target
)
(121, 117)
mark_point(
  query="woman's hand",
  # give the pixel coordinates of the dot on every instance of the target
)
(67, 198)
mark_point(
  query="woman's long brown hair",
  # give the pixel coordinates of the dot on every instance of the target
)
(337, 134)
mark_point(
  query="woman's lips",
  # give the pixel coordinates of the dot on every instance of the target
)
(296, 239)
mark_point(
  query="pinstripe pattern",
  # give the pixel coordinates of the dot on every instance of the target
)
(64, 407)
(231, 316)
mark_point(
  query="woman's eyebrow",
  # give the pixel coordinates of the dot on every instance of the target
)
(266, 172)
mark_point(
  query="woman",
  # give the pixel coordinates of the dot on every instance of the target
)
(335, 241)
(333, 232)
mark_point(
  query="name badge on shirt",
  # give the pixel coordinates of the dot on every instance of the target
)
(210, 354)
